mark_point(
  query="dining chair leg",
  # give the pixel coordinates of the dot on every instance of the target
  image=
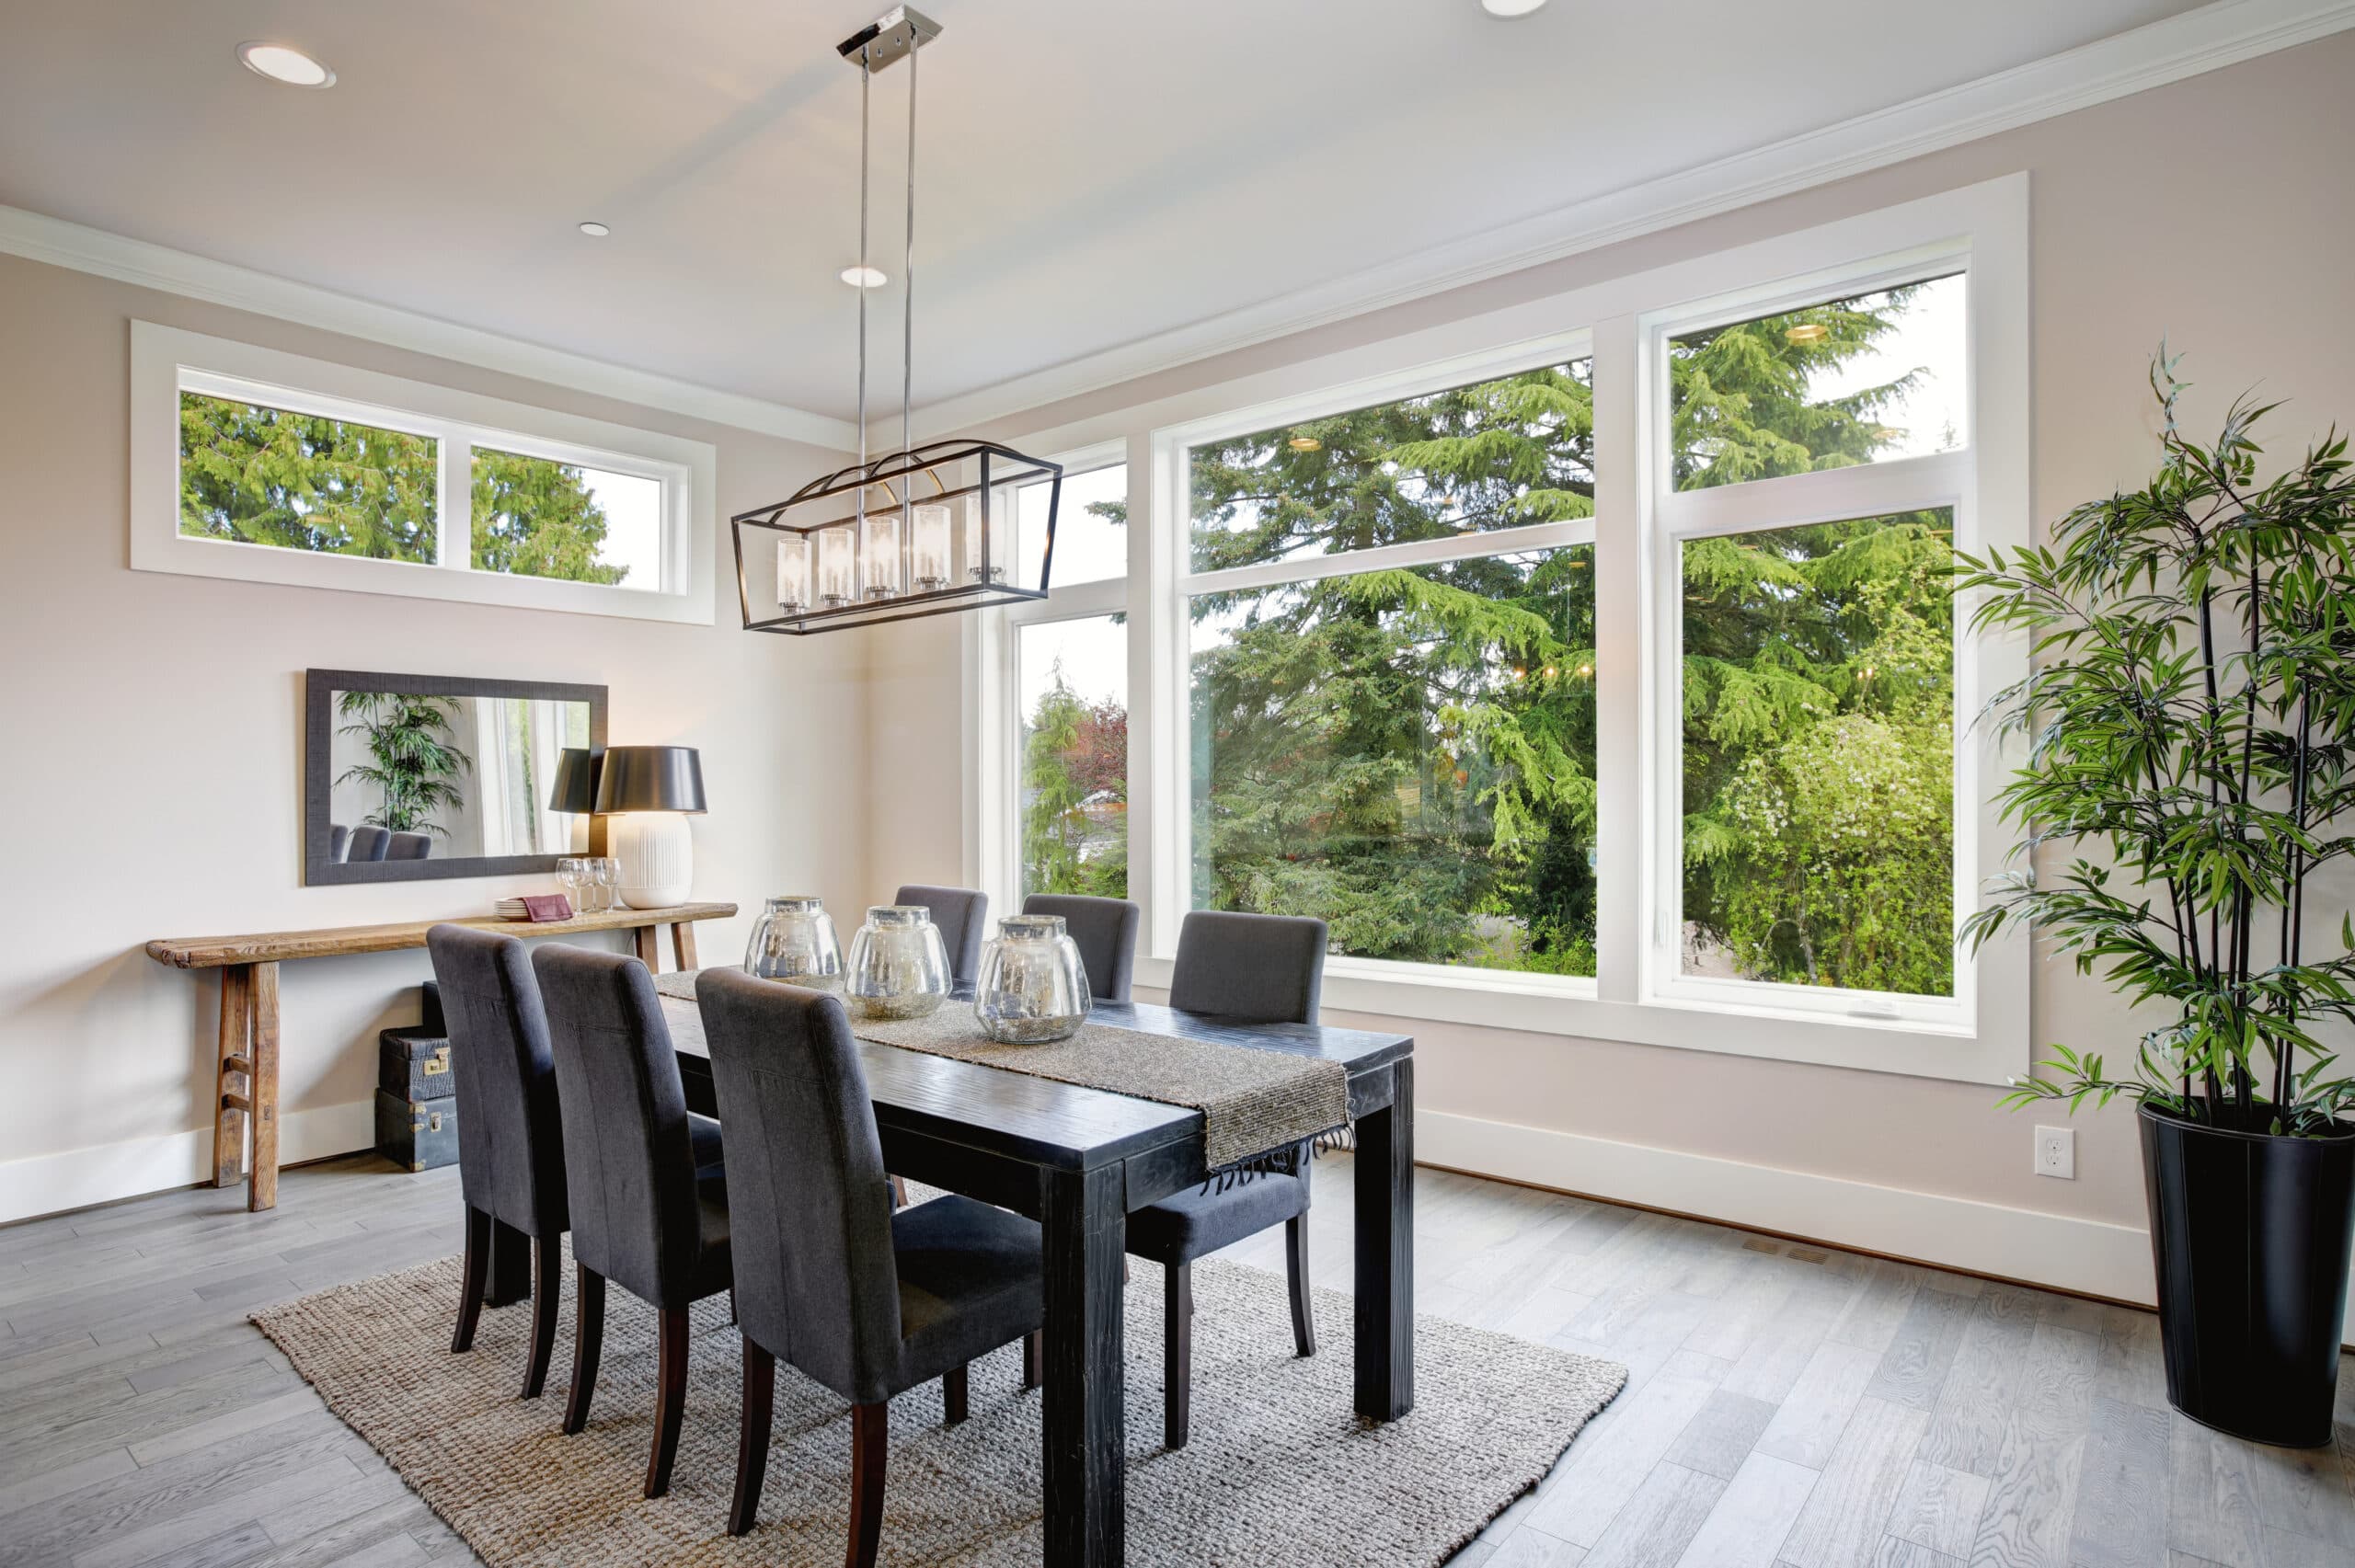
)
(588, 1339)
(752, 1438)
(870, 1444)
(955, 1386)
(1177, 1359)
(669, 1397)
(474, 1281)
(1304, 1313)
(547, 1291)
(1030, 1361)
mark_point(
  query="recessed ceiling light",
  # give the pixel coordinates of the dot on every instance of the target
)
(595, 230)
(1511, 7)
(1807, 332)
(863, 277)
(281, 63)
(1305, 443)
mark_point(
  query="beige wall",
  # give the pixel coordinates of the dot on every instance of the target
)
(151, 766)
(2219, 212)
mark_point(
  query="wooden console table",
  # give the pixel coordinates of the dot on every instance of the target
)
(247, 1083)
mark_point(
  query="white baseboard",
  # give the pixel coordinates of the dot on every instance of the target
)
(2086, 1256)
(47, 1183)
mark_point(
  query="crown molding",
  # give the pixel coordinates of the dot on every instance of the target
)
(38, 237)
(2205, 39)
(2186, 45)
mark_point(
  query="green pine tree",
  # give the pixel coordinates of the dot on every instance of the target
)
(262, 476)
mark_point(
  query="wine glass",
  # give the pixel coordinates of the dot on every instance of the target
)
(605, 877)
(569, 876)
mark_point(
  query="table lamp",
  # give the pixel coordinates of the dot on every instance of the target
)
(647, 790)
(575, 793)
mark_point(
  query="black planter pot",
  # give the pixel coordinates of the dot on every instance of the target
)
(2250, 1237)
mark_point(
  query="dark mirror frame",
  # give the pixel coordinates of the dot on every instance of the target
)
(319, 687)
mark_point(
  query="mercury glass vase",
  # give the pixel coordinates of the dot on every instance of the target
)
(899, 965)
(1033, 987)
(794, 941)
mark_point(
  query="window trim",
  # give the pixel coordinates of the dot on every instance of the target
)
(165, 362)
(1671, 517)
(1991, 217)
(995, 651)
(1170, 716)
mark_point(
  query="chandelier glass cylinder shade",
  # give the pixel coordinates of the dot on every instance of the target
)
(922, 530)
(897, 538)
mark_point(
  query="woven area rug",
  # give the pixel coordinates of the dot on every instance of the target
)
(1278, 1469)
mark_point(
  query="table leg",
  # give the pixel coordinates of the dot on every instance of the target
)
(1386, 1262)
(682, 943)
(231, 1087)
(650, 949)
(1084, 1215)
(262, 1191)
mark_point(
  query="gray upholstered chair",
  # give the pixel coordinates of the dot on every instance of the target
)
(1267, 969)
(961, 913)
(866, 1301)
(511, 1138)
(409, 846)
(339, 841)
(1106, 933)
(368, 842)
(642, 1174)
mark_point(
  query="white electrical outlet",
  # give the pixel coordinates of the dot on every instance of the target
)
(2056, 1152)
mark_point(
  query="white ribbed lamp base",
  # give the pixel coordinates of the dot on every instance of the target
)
(658, 858)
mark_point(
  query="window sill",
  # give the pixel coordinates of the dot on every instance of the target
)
(154, 551)
(1570, 1007)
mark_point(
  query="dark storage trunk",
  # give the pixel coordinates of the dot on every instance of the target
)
(418, 1135)
(2250, 1237)
(414, 1064)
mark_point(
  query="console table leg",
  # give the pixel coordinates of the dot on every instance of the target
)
(263, 1191)
(231, 1088)
(650, 946)
(682, 943)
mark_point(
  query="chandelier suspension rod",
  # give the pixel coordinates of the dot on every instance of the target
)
(866, 83)
(908, 263)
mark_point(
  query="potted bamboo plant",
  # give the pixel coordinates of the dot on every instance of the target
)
(2190, 727)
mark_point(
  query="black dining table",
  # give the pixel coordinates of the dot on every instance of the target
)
(1079, 1162)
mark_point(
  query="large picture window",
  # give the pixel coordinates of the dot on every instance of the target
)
(1809, 860)
(1390, 663)
(252, 464)
(1591, 667)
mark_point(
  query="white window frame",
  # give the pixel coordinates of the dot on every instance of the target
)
(1672, 519)
(1172, 851)
(166, 362)
(995, 650)
(1623, 318)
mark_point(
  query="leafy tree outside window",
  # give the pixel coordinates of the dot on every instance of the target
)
(261, 476)
(1409, 752)
(254, 475)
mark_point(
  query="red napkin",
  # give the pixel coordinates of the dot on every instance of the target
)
(539, 908)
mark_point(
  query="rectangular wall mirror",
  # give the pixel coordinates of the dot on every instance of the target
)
(412, 776)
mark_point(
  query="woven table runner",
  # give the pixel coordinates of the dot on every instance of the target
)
(1254, 1102)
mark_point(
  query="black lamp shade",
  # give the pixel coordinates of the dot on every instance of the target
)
(650, 778)
(575, 782)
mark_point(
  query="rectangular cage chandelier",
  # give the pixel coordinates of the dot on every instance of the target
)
(922, 530)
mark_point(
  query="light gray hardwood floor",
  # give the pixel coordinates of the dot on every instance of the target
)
(1786, 1405)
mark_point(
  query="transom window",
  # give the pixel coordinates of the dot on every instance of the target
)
(253, 463)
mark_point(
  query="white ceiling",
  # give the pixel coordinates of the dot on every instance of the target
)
(1092, 174)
